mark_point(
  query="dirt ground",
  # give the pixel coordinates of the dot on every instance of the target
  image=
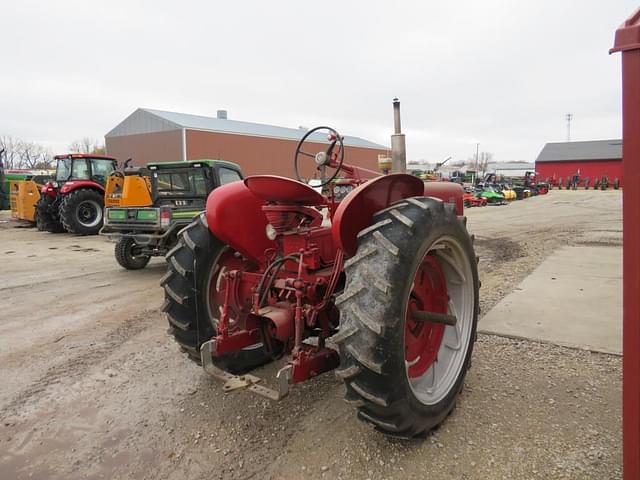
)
(92, 386)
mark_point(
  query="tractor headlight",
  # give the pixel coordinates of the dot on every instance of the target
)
(270, 231)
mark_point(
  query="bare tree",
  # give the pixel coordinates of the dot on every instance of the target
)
(35, 156)
(87, 145)
(12, 147)
(21, 154)
(479, 164)
(483, 162)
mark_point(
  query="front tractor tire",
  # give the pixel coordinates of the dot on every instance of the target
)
(192, 290)
(81, 211)
(402, 371)
(128, 256)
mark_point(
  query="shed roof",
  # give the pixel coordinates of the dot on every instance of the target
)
(590, 150)
(146, 120)
(510, 166)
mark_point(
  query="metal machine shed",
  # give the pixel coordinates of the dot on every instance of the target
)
(510, 169)
(593, 159)
(154, 135)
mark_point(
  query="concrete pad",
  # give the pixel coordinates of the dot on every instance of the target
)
(574, 298)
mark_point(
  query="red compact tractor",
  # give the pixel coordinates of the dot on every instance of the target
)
(74, 201)
(375, 277)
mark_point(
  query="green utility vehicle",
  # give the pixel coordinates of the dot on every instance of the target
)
(177, 192)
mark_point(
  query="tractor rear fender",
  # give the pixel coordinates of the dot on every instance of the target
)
(447, 192)
(72, 185)
(234, 216)
(356, 211)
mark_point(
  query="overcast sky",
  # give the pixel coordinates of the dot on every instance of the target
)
(501, 73)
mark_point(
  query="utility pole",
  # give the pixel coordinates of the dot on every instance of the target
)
(569, 117)
(477, 156)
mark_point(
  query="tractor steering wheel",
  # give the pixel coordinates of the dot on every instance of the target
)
(322, 160)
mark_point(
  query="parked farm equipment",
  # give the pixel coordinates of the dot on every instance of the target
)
(25, 194)
(147, 207)
(575, 181)
(74, 200)
(376, 279)
(471, 200)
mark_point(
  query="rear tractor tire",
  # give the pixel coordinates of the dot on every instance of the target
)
(127, 255)
(402, 370)
(191, 285)
(81, 211)
(45, 221)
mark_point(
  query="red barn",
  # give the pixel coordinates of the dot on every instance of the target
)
(593, 159)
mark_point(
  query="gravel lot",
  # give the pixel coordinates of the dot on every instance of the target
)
(92, 386)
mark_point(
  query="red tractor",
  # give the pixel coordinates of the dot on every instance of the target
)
(74, 201)
(373, 276)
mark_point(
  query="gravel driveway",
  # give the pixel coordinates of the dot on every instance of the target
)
(92, 386)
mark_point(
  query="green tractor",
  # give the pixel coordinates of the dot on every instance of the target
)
(147, 207)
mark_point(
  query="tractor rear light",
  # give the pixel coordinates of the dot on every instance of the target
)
(147, 215)
(165, 217)
(114, 214)
(49, 189)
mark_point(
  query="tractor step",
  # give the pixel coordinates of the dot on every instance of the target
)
(244, 382)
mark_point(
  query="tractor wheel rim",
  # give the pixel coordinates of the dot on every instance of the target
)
(135, 250)
(89, 213)
(434, 352)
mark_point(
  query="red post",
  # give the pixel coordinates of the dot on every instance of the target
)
(627, 41)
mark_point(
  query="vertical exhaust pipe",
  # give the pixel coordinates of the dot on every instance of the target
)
(398, 145)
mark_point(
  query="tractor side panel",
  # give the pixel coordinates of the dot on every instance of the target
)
(447, 192)
(356, 211)
(235, 216)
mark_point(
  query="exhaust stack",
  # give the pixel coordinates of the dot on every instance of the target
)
(398, 145)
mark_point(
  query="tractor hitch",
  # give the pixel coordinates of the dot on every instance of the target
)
(305, 363)
(244, 382)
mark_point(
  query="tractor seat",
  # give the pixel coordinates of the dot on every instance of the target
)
(273, 188)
